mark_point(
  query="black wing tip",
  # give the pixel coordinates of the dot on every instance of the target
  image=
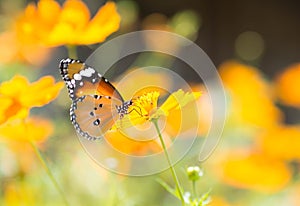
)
(64, 63)
(63, 66)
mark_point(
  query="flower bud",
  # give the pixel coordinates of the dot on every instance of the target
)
(194, 173)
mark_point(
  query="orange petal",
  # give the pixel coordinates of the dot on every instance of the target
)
(41, 92)
(254, 171)
(48, 11)
(33, 129)
(13, 88)
(287, 86)
(76, 13)
(281, 142)
(250, 95)
(130, 146)
(106, 21)
(11, 108)
(8, 46)
(6, 103)
(72, 21)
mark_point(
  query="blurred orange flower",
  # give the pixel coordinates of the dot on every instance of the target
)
(50, 25)
(254, 171)
(121, 142)
(47, 24)
(251, 100)
(16, 134)
(33, 129)
(281, 142)
(18, 95)
(287, 86)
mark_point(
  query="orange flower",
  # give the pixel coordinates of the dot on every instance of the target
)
(250, 95)
(124, 144)
(51, 25)
(281, 142)
(33, 129)
(18, 96)
(17, 133)
(287, 86)
(47, 24)
(142, 137)
(254, 171)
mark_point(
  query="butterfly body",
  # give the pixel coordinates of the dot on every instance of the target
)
(96, 104)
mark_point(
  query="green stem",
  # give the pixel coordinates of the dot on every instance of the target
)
(48, 171)
(72, 51)
(169, 161)
(194, 189)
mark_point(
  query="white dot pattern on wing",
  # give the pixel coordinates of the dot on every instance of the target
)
(88, 72)
(85, 104)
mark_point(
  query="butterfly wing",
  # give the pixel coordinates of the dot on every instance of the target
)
(95, 100)
(82, 79)
(93, 115)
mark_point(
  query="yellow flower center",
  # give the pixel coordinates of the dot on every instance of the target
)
(146, 104)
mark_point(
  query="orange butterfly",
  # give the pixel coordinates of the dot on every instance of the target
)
(96, 104)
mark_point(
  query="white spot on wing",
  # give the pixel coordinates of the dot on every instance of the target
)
(77, 77)
(88, 72)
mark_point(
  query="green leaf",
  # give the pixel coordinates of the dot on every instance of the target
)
(170, 189)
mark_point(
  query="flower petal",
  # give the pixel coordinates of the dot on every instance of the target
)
(287, 86)
(33, 129)
(131, 146)
(48, 11)
(41, 92)
(176, 100)
(254, 171)
(70, 25)
(105, 22)
(14, 87)
(281, 142)
(250, 95)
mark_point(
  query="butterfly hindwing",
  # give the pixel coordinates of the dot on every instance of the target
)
(93, 115)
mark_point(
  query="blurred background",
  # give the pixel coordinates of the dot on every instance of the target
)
(254, 45)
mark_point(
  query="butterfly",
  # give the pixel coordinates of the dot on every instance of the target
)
(96, 103)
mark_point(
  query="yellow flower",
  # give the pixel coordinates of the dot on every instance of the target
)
(287, 86)
(52, 25)
(18, 96)
(144, 108)
(281, 142)
(250, 95)
(254, 171)
(142, 138)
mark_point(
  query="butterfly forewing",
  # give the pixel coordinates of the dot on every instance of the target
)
(82, 79)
